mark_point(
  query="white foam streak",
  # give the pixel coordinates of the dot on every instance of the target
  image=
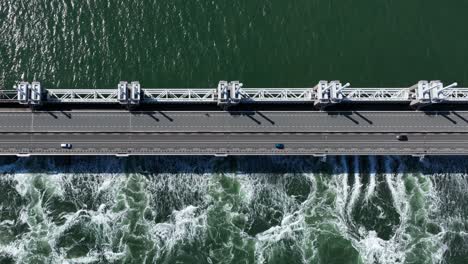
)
(396, 187)
(356, 189)
(342, 188)
(372, 178)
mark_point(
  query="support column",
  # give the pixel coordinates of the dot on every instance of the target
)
(122, 92)
(23, 89)
(223, 93)
(229, 93)
(36, 93)
(235, 92)
(322, 97)
(425, 93)
(135, 93)
(328, 93)
(434, 87)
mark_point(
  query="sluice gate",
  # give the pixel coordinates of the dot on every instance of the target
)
(226, 94)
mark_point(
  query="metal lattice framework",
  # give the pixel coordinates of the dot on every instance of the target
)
(81, 95)
(230, 93)
(272, 95)
(183, 95)
(375, 94)
(8, 96)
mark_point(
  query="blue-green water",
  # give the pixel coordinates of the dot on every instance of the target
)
(245, 209)
(236, 210)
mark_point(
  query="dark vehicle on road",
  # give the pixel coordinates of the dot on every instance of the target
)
(279, 146)
(402, 137)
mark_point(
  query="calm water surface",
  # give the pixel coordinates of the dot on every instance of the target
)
(196, 43)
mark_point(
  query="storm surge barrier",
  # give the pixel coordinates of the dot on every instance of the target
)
(226, 94)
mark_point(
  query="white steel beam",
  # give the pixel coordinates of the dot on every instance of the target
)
(374, 94)
(229, 93)
(179, 95)
(8, 95)
(82, 95)
(278, 95)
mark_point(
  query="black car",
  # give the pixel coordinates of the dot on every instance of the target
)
(402, 137)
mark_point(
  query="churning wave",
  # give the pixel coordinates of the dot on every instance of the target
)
(234, 210)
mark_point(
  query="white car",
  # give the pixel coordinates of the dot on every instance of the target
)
(66, 146)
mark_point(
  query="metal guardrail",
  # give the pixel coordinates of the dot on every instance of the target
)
(182, 95)
(8, 96)
(375, 94)
(231, 93)
(81, 96)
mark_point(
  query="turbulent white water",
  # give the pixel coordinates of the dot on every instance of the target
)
(244, 210)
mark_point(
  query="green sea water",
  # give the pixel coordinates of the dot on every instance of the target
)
(264, 43)
(234, 210)
(244, 209)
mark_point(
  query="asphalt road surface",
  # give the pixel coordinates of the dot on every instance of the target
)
(232, 133)
(219, 121)
(232, 144)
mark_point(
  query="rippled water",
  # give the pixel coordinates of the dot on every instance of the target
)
(234, 210)
(264, 43)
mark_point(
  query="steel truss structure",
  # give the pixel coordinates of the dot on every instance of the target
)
(232, 93)
(8, 96)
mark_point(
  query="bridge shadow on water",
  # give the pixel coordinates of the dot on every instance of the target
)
(234, 164)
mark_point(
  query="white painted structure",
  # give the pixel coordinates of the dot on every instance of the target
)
(232, 93)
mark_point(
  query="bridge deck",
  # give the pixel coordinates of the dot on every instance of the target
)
(234, 144)
(232, 133)
(236, 121)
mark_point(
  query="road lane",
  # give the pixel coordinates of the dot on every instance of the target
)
(233, 144)
(218, 121)
(233, 133)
